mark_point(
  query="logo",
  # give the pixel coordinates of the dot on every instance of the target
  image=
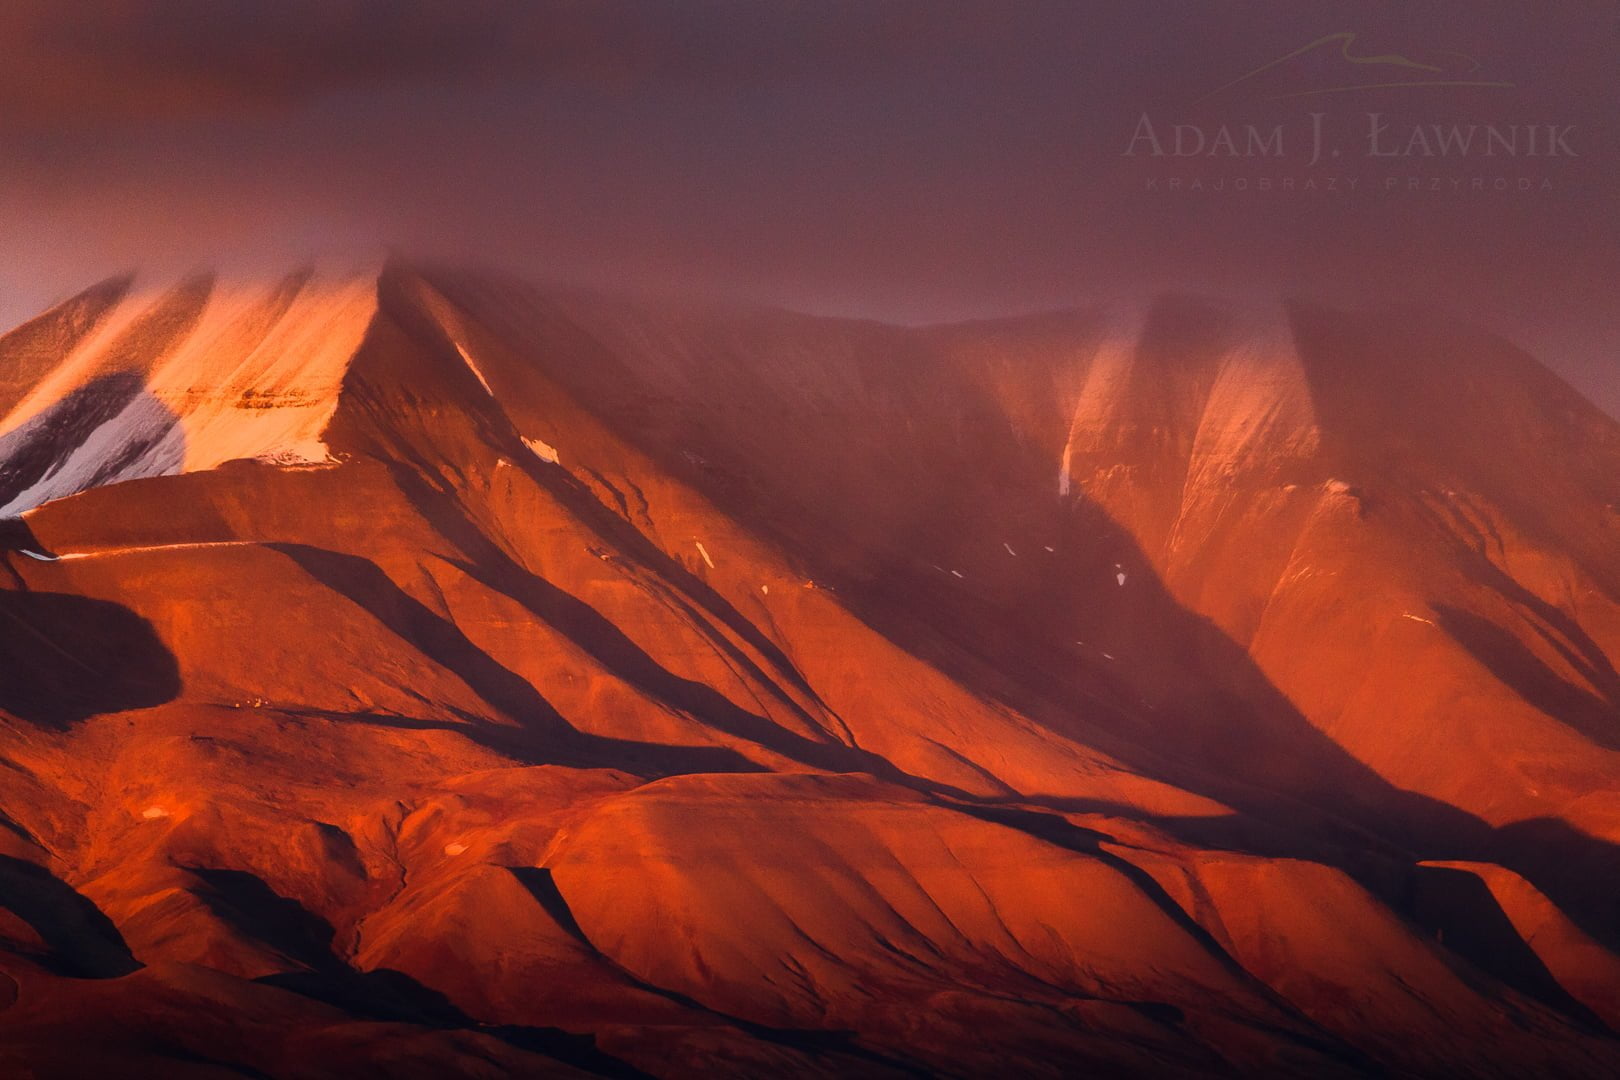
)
(1354, 73)
(1390, 130)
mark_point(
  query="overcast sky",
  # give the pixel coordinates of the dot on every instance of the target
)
(922, 160)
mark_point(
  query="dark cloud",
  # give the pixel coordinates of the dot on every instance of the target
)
(903, 158)
(98, 61)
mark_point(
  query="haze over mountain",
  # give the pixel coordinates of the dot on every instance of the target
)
(913, 160)
(426, 673)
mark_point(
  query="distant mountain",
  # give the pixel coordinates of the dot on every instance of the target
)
(425, 673)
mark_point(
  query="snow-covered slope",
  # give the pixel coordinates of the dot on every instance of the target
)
(179, 379)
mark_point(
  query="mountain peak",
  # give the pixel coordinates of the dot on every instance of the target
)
(131, 379)
(143, 381)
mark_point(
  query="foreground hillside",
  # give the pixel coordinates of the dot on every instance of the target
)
(425, 674)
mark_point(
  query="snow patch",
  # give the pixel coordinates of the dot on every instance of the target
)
(184, 546)
(154, 813)
(136, 436)
(703, 551)
(1010, 551)
(472, 366)
(455, 849)
(310, 453)
(542, 450)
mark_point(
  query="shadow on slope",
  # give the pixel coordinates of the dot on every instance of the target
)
(543, 887)
(106, 430)
(82, 942)
(33, 350)
(1594, 709)
(1460, 911)
(544, 736)
(70, 657)
(413, 404)
(1233, 736)
(245, 902)
(611, 647)
(1594, 714)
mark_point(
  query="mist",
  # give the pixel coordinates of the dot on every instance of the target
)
(904, 161)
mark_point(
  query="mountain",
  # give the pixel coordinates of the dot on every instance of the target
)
(425, 673)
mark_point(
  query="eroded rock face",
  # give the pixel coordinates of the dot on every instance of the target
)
(649, 689)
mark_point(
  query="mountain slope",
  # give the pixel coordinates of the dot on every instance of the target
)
(439, 674)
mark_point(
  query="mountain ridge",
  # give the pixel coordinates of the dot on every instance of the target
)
(638, 686)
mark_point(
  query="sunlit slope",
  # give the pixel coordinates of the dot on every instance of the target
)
(640, 688)
(151, 382)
